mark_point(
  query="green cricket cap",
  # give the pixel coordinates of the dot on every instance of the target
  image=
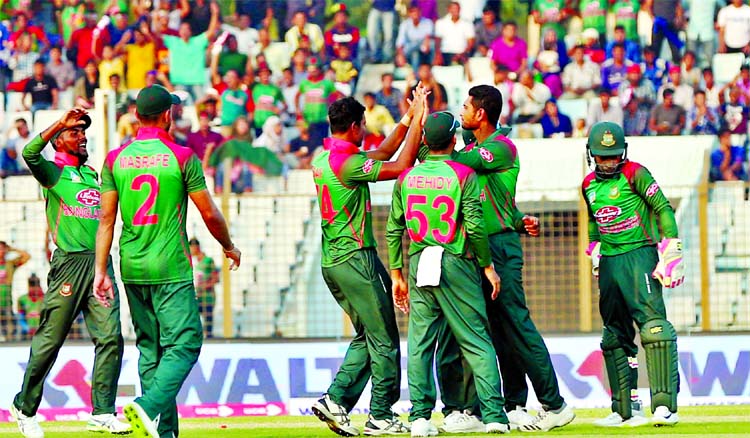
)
(606, 139)
(154, 100)
(440, 128)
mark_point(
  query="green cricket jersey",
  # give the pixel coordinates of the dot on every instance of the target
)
(551, 10)
(7, 269)
(72, 197)
(315, 97)
(623, 210)
(266, 99)
(341, 176)
(203, 271)
(626, 14)
(438, 203)
(594, 14)
(153, 177)
(31, 310)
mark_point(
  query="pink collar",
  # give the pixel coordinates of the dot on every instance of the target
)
(338, 145)
(150, 133)
(63, 159)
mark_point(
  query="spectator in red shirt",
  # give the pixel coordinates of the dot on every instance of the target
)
(82, 41)
(23, 26)
(342, 33)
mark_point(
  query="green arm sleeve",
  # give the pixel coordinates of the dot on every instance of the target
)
(471, 208)
(358, 169)
(518, 221)
(491, 156)
(45, 172)
(195, 181)
(645, 185)
(394, 229)
(593, 227)
(108, 180)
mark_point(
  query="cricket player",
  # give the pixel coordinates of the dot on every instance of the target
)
(520, 348)
(351, 268)
(71, 192)
(438, 203)
(151, 179)
(625, 209)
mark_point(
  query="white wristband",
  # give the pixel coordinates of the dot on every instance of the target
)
(405, 120)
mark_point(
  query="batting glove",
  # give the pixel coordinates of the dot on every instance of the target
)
(593, 252)
(670, 271)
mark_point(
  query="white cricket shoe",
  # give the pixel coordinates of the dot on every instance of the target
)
(108, 423)
(548, 420)
(461, 422)
(496, 428)
(388, 426)
(423, 427)
(615, 420)
(663, 417)
(519, 417)
(142, 425)
(29, 426)
(335, 416)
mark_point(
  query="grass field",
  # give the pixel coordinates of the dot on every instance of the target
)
(710, 422)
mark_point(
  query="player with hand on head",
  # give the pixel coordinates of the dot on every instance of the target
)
(351, 268)
(437, 202)
(71, 191)
(625, 208)
(151, 179)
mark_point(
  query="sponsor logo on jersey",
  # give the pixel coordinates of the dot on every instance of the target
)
(89, 197)
(367, 167)
(608, 139)
(652, 189)
(614, 192)
(486, 155)
(66, 290)
(607, 214)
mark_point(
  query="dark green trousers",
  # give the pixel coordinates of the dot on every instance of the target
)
(169, 337)
(70, 292)
(459, 302)
(362, 287)
(628, 293)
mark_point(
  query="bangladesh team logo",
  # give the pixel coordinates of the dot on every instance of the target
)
(608, 139)
(486, 155)
(66, 290)
(89, 197)
(607, 214)
(614, 192)
(652, 189)
(367, 167)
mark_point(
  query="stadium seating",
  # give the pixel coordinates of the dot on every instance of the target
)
(726, 66)
(370, 78)
(480, 68)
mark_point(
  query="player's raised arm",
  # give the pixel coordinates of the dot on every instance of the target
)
(391, 170)
(390, 145)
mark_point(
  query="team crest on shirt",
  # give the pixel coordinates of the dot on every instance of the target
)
(608, 139)
(592, 197)
(74, 177)
(367, 167)
(652, 189)
(486, 155)
(66, 290)
(614, 192)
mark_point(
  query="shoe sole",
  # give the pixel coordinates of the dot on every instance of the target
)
(572, 417)
(328, 419)
(14, 415)
(663, 423)
(137, 424)
(103, 429)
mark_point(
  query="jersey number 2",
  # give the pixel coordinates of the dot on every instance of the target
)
(141, 215)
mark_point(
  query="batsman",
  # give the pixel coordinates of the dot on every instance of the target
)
(625, 208)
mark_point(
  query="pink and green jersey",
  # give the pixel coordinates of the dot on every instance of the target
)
(153, 177)
(437, 202)
(623, 210)
(72, 196)
(341, 175)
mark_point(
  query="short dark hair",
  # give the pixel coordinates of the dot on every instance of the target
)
(603, 90)
(343, 113)
(699, 91)
(194, 241)
(21, 119)
(618, 45)
(510, 23)
(386, 74)
(369, 94)
(620, 27)
(707, 70)
(667, 92)
(723, 131)
(151, 118)
(39, 61)
(489, 99)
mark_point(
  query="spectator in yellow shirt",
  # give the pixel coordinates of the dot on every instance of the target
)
(110, 65)
(378, 122)
(302, 28)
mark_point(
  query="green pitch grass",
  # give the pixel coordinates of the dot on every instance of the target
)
(708, 422)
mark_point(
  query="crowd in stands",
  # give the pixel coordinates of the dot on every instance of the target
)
(644, 64)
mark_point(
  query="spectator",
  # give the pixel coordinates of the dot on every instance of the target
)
(381, 22)
(241, 175)
(121, 95)
(487, 31)
(727, 162)
(391, 98)
(735, 113)
(270, 24)
(345, 71)
(548, 64)
(70, 19)
(669, 18)
(21, 62)
(231, 59)
(235, 101)
(188, 50)
(315, 92)
(579, 129)
(683, 93)
(471, 10)
(414, 36)
(138, 47)
(342, 34)
(529, 97)
(594, 16)
(299, 65)
(635, 119)
(43, 89)
(30, 308)
(632, 49)
(701, 35)
(378, 123)
(734, 28)
(691, 74)
(667, 118)
(437, 100)
(39, 40)
(302, 147)
(554, 123)
(272, 138)
(268, 99)
(402, 69)
(289, 90)
(742, 81)
(181, 126)
(264, 42)
(550, 41)
(302, 28)
(83, 91)
(505, 86)
(654, 68)
(314, 9)
(83, 46)
(714, 93)
(509, 50)
(8, 267)
(199, 15)
(550, 14)
(247, 36)
(626, 13)
(61, 70)
(602, 110)
(204, 138)
(637, 88)
(454, 37)
(615, 69)
(109, 65)
(701, 119)
(205, 277)
(580, 77)
(591, 46)
(128, 124)
(117, 28)
(11, 162)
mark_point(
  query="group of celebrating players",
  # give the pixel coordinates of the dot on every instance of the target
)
(459, 210)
